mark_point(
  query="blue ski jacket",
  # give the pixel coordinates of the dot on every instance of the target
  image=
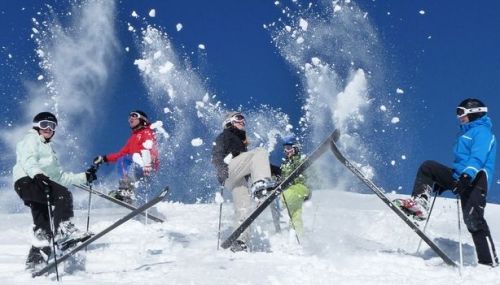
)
(475, 150)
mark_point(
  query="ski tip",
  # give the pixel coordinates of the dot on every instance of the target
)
(164, 192)
(336, 135)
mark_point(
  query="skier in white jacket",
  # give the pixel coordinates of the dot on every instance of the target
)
(37, 169)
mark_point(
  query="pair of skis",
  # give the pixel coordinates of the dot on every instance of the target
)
(95, 237)
(330, 143)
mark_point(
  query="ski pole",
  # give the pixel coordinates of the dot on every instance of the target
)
(52, 226)
(290, 216)
(220, 215)
(459, 206)
(96, 167)
(428, 218)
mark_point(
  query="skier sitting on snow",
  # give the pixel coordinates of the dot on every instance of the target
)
(36, 170)
(470, 177)
(295, 195)
(236, 165)
(137, 159)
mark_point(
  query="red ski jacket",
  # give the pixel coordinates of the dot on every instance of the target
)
(136, 143)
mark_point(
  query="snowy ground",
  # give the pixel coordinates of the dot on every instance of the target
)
(350, 239)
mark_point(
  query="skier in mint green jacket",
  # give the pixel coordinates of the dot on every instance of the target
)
(294, 196)
(36, 170)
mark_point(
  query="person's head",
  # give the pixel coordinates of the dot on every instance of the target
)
(470, 110)
(137, 119)
(290, 146)
(234, 119)
(45, 124)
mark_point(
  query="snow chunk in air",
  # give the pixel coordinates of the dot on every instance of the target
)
(303, 24)
(400, 91)
(152, 13)
(196, 142)
(201, 46)
(395, 120)
(178, 27)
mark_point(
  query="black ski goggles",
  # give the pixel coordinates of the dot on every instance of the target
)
(45, 124)
(461, 111)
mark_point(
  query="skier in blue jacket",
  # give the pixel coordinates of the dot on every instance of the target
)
(470, 177)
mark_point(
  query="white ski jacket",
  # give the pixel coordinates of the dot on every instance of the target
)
(35, 156)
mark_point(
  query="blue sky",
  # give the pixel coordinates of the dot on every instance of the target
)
(437, 53)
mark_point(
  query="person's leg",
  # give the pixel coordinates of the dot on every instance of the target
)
(294, 197)
(34, 198)
(473, 204)
(254, 163)
(431, 172)
(62, 202)
(242, 207)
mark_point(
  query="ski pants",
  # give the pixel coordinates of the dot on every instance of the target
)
(473, 201)
(35, 198)
(254, 163)
(130, 171)
(293, 198)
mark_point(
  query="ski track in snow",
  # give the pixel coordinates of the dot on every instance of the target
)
(350, 239)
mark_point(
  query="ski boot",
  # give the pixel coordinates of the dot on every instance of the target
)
(37, 258)
(68, 235)
(40, 251)
(239, 245)
(261, 188)
(417, 207)
(125, 191)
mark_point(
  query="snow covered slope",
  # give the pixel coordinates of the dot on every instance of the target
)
(350, 239)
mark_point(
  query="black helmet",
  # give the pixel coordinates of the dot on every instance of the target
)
(45, 116)
(472, 108)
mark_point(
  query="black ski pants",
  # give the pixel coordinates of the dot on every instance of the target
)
(35, 198)
(440, 177)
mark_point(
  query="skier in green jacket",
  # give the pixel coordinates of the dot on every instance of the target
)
(293, 197)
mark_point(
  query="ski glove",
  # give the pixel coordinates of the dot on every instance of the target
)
(98, 160)
(91, 174)
(463, 184)
(41, 181)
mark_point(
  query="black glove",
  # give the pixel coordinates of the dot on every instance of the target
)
(100, 159)
(275, 170)
(90, 173)
(463, 184)
(41, 180)
(222, 175)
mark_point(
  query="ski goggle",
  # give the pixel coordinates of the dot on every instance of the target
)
(240, 119)
(288, 148)
(461, 111)
(45, 124)
(135, 115)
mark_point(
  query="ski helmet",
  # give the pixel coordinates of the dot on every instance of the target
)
(45, 120)
(231, 118)
(472, 108)
(45, 116)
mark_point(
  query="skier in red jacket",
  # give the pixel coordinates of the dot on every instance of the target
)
(137, 160)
